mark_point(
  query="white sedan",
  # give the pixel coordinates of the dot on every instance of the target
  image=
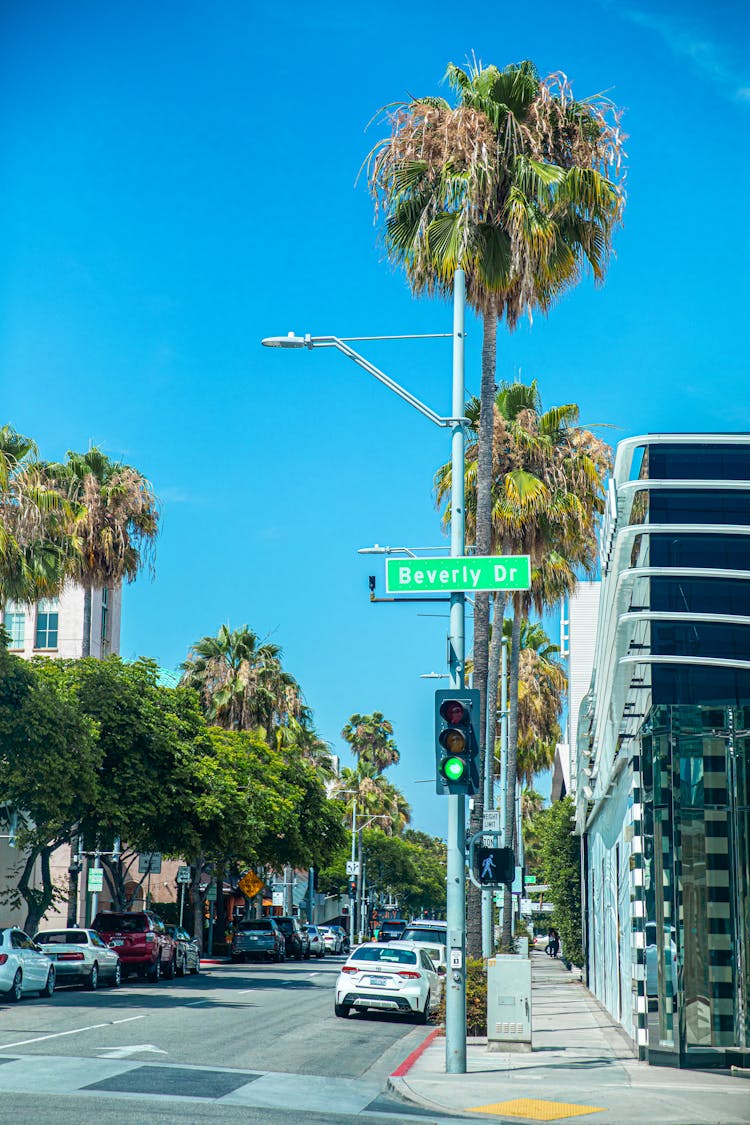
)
(388, 978)
(23, 966)
(317, 941)
(81, 957)
(331, 940)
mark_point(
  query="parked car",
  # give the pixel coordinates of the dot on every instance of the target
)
(258, 937)
(331, 939)
(80, 957)
(427, 929)
(435, 951)
(188, 953)
(317, 943)
(23, 966)
(297, 945)
(391, 929)
(140, 937)
(388, 978)
(345, 945)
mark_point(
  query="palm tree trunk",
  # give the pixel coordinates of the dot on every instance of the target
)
(482, 601)
(510, 793)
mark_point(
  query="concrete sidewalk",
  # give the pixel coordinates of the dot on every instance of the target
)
(581, 1067)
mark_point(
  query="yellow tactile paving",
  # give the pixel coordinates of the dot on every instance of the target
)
(536, 1110)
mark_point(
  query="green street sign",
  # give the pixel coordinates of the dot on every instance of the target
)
(480, 573)
(530, 880)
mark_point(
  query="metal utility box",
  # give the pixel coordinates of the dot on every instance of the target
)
(509, 1003)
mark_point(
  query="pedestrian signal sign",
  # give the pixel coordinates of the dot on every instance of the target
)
(494, 867)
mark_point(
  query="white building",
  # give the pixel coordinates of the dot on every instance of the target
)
(55, 626)
(577, 643)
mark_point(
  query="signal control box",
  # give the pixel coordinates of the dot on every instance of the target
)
(509, 1003)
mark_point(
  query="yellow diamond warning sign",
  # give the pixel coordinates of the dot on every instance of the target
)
(250, 884)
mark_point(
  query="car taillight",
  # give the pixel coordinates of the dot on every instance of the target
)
(410, 976)
(3, 958)
(349, 969)
(70, 957)
(150, 937)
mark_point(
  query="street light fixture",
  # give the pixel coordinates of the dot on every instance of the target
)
(455, 986)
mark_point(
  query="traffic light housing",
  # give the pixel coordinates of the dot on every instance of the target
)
(456, 745)
(352, 888)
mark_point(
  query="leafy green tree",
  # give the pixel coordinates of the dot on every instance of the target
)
(560, 863)
(49, 774)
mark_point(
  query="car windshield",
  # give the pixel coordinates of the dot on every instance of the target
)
(382, 953)
(123, 923)
(285, 925)
(423, 933)
(258, 924)
(62, 937)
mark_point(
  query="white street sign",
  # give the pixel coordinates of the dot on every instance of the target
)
(456, 958)
(352, 867)
(149, 863)
(491, 820)
(183, 874)
(277, 898)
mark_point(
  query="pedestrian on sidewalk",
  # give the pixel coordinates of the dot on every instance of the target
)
(553, 943)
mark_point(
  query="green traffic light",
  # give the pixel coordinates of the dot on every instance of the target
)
(454, 769)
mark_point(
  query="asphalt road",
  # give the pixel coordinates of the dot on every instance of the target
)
(237, 1043)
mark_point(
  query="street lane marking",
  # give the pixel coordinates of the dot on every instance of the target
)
(75, 1031)
(194, 1003)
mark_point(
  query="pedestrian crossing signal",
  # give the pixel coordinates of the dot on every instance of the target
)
(494, 867)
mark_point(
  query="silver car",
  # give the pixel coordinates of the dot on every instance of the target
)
(317, 941)
(81, 957)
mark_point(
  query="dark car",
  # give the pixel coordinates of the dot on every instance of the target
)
(297, 943)
(141, 940)
(258, 937)
(188, 954)
(391, 929)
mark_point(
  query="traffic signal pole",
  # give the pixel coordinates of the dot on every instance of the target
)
(455, 986)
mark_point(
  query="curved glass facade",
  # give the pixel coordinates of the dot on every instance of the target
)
(663, 754)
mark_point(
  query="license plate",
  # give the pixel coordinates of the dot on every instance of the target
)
(378, 980)
(117, 941)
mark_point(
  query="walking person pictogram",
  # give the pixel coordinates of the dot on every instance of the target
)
(488, 868)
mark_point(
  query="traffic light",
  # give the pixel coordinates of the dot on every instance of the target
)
(456, 746)
(494, 867)
(352, 888)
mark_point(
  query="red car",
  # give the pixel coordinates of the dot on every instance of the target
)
(141, 941)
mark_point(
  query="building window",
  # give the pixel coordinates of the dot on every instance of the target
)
(15, 623)
(46, 624)
(105, 616)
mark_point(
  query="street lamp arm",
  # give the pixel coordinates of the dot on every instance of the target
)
(308, 341)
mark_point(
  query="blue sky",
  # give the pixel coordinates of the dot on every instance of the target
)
(177, 180)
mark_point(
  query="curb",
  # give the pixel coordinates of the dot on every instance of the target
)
(404, 1067)
(214, 961)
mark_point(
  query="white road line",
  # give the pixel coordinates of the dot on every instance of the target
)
(75, 1031)
(194, 1003)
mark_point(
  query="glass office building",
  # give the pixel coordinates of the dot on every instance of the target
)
(663, 752)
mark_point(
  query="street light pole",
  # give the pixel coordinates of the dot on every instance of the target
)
(455, 1017)
(353, 901)
(455, 991)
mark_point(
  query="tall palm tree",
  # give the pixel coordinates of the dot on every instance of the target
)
(542, 683)
(241, 682)
(515, 182)
(370, 737)
(116, 520)
(36, 542)
(375, 796)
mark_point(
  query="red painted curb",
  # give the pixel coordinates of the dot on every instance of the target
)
(213, 961)
(404, 1067)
